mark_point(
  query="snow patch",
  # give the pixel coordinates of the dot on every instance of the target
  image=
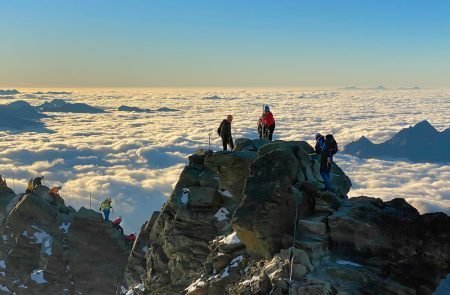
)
(2, 273)
(185, 196)
(235, 261)
(346, 262)
(64, 227)
(4, 288)
(225, 272)
(195, 285)
(221, 214)
(226, 193)
(2, 264)
(38, 276)
(231, 239)
(248, 282)
(5, 238)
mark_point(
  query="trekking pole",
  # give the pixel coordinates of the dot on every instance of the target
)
(90, 199)
(209, 141)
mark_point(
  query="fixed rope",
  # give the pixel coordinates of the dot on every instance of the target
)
(291, 258)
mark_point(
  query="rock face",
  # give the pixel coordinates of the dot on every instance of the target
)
(255, 221)
(420, 143)
(48, 248)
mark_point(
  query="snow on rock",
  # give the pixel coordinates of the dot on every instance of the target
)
(64, 227)
(2, 273)
(22, 286)
(235, 261)
(48, 246)
(248, 282)
(38, 276)
(2, 264)
(226, 193)
(225, 272)
(197, 284)
(139, 287)
(185, 196)
(221, 214)
(4, 288)
(346, 262)
(5, 238)
(231, 239)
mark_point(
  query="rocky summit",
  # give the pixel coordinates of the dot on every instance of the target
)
(49, 248)
(257, 221)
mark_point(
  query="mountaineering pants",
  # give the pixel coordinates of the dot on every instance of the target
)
(271, 129)
(226, 142)
(106, 213)
(326, 179)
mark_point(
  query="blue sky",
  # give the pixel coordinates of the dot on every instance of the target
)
(224, 43)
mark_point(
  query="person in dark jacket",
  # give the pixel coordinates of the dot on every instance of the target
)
(320, 142)
(225, 132)
(325, 166)
(269, 121)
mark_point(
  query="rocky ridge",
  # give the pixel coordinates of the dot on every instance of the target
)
(49, 248)
(255, 221)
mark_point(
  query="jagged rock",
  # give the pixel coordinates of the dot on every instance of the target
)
(44, 253)
(287, 229)
(232, 168)
(415, 248)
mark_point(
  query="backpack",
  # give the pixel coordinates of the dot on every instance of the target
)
(331, 144)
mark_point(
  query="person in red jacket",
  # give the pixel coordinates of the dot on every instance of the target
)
(269, 121)
(130, 239)
(116, 224)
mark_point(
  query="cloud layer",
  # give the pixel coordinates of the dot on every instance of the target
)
(136, 158)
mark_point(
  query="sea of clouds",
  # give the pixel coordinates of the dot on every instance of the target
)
(136, 158)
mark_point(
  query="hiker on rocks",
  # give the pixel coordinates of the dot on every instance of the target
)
(37, 182)
(328, 149)
(30, 186)
(106, 208)
(224, 132)
(269, 121)
(261, 126)
(3, 182)
(129, 240)
(320, 142)
(54, 191)
(116, 224)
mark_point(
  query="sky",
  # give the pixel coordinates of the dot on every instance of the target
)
(224, 43)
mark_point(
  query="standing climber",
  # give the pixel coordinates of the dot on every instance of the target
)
(3, 181)
(328, 149)
(37, 182)
(54, 191)
(269, 121)
(224, 131)
(320, 142)
(30, 186)
(116, 224)
(106, 208)
(261, 126)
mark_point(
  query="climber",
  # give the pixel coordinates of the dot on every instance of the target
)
(262, 127)
(328, 149)
(54, 192)
(116, 224)
(269, 121)
(30, 186)
(106, 208)
(3, 181)
(129, 240)
(224, 132)
(320, 141)
(37, 182)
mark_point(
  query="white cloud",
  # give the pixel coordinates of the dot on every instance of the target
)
(136, 158)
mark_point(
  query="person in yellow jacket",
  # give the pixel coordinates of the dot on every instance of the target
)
(106, 208)
(30, 186)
